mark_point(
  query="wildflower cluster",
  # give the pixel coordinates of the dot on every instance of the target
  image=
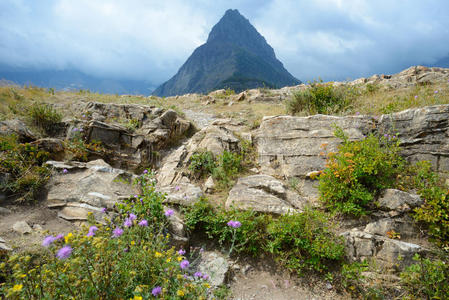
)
(127, 258)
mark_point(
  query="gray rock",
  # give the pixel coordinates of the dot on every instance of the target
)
(422, 132)
(17, 127)
(263, 193)
(4, 246)
(388, 253)
(209, 185)
(403, 226)
(22, 227)
(392, 199)
(216, 266)
(181, 193)
(87, 187)
(294, 146)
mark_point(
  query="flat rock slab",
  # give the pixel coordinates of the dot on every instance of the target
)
(22, 227)
(392, 199)
(294, 146)
(263, 193)
(95, 183)
(182, 193)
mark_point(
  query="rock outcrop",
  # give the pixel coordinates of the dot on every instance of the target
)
(78, 188)
(264, 193)
(423, 133)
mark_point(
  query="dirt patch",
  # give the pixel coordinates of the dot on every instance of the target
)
(41, 219)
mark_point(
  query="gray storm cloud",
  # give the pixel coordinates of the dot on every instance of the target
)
(150, 40)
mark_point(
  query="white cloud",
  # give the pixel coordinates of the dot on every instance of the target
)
(334, 39)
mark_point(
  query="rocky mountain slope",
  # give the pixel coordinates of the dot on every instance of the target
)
(283, 155)
(235, 56)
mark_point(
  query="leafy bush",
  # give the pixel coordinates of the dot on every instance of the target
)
(223, 168)
(80, 149)
(321, 98)
(304, 241)
(228, 166)
(44, 117)
(213, 221)
(202, 163)
(128, 257)
(358, 172)
(435, 211)
(426, 279)
(298, 241)
(21, 168)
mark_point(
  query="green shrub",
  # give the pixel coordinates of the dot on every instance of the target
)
(44, 117)
(320, 98)
(24, 164)
(202, 163)
(80, 149)
(304, 241)
(213, 221)
(223, 168)
(356, 174)
(426, 279)
(228, 166)
(435, 211)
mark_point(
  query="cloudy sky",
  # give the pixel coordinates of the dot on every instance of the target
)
(150, 40)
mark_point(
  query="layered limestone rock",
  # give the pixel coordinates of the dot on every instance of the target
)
(423, 134)
(78, 188)
(264, 193)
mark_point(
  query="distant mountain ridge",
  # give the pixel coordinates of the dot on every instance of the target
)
(235, 56)
(74, 80)
(442, 62)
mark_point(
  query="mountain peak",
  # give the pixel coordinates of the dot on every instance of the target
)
(235, 56)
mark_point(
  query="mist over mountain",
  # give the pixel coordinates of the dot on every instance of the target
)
(74, 80)
(235, 56)
(442, 62)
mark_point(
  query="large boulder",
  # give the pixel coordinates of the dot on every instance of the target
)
(294, 146)
(136, 134)
(388, 253)
(79, 188)
(423, 134)
(399, 201)
(18, 128)
(263, 193)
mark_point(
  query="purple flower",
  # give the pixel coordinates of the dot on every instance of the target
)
(234, 224)
(385, 135)
(132, 216)
(92, 230)
(65, 171)
(169, 212)
(181, 252)
(59, 236)
(117, 232)
(48, 240)
(205, 277)
(143, 223)
(83, 116)
(81, 129)
(141, 201)
(127, 223)
(156, 291)
(436, 92)
(126, 249)
(184, 264)
(201, 250)
(64, 252)
(197, 274)
(416, 97)
(357, 113)
(104, 210)
(75, 129)
(177, 188)
(135, 196)
(145, 171)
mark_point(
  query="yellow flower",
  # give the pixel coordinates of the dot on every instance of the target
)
(17, 287)
(68, 237)
(23, 275)
(179, 258)
(133, 243)
(168, 260)
(207, 285)
(180, 293)
(158, 254)
(137, 298)
(179, 276)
